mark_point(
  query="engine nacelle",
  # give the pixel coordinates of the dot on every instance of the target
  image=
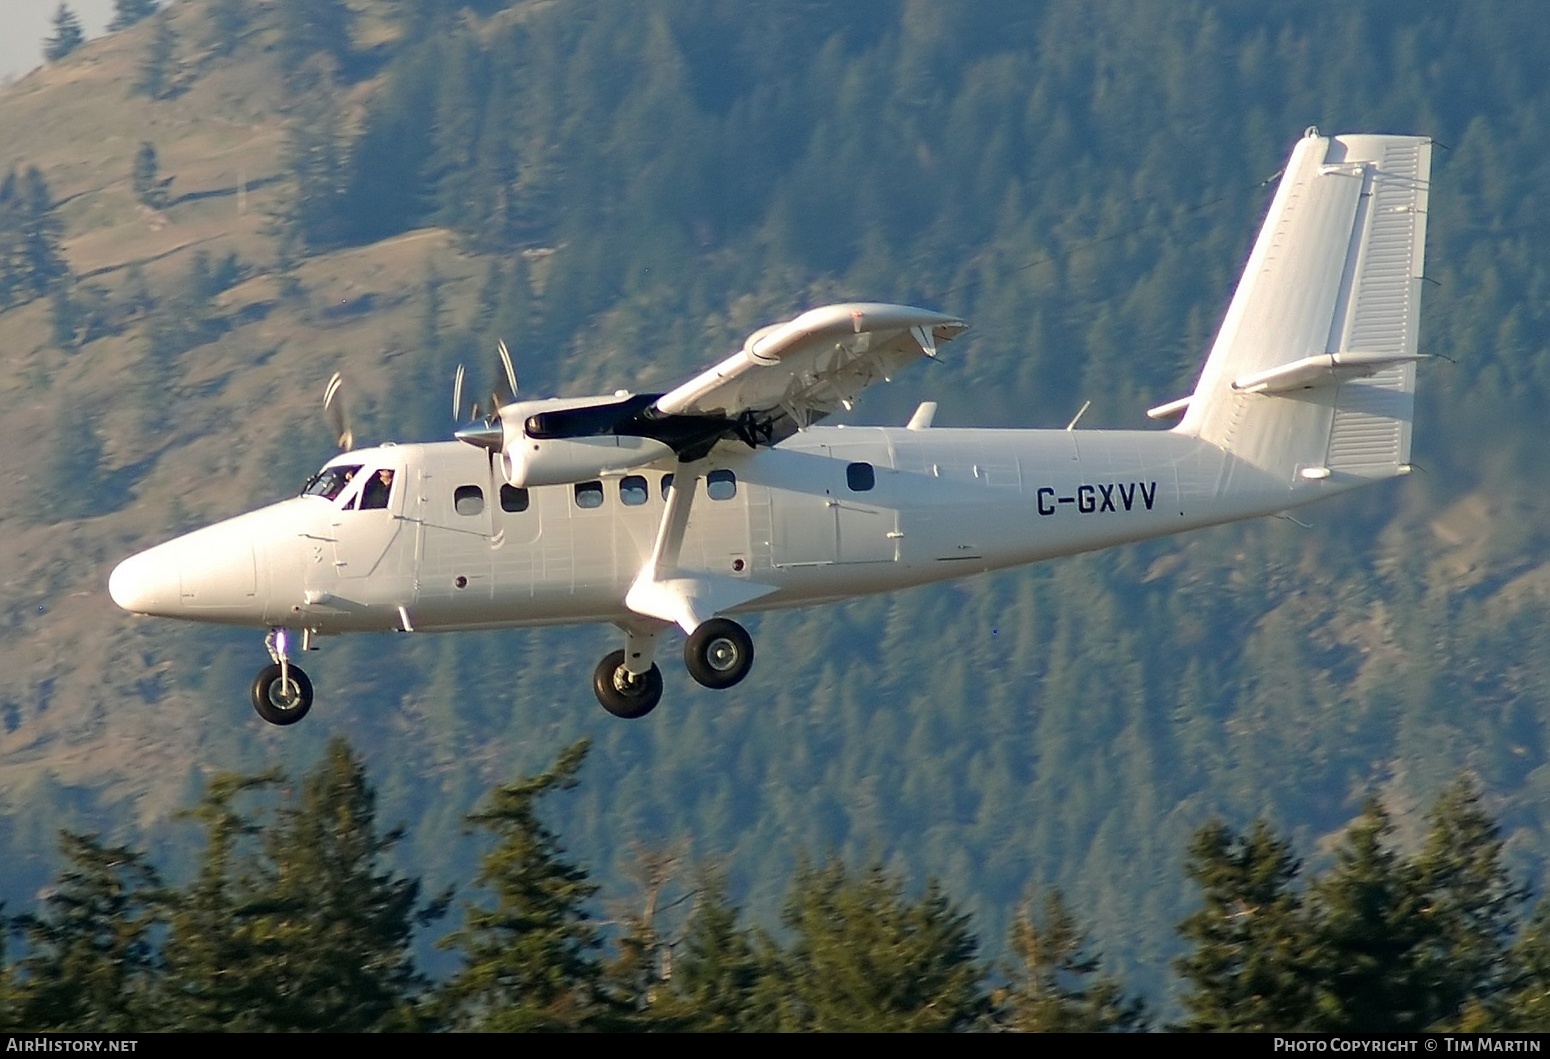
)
(529, 461)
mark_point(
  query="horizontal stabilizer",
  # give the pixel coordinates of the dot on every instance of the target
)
(1172, 408)
(1323, 369)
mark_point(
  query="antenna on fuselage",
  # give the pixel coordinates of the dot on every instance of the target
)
(1079, 414)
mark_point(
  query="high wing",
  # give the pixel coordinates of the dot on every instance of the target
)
(785, 377)
(790, 375)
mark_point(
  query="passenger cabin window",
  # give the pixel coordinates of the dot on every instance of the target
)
(468, 500)
(589, 494)
(514, 498)
(633, 490)
(667, 483)
(721, 485)
(860, 477)
(375, 493)
(330, 481)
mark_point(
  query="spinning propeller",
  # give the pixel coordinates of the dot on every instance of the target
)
(486, 431)
(338, 413)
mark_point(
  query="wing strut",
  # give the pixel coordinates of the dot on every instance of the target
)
(685, 598)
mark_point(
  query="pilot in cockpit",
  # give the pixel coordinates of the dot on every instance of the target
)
(376, 490)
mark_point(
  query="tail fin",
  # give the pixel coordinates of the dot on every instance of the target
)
(1313, 372)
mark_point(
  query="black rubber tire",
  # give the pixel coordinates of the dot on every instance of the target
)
(270, 701)
(638, 700)
(719, 653)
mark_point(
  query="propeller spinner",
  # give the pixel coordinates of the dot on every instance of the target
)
(487, 431)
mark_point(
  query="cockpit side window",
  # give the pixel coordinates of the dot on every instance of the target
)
(330, 481)
(375, 493)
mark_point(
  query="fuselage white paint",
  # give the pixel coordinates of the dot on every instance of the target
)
(945, 503)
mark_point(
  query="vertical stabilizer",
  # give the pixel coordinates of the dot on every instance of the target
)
(1313, 372)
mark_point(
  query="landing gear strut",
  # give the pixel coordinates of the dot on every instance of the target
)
(282, 694)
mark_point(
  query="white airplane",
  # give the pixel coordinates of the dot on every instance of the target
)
(720, 496)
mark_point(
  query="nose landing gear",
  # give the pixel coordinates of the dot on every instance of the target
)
(282, 693)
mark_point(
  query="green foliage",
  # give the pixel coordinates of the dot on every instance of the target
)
(717, 968)
(297, 924)
(67, 35)
(145, 176)
(128, 12)
(1381, 942)
(1370, 937)
(157, 69)
(311, 28)
(90, 955)
(190, 317)
(31, 261)
(1246, 971)
(530, 961)
(229, 20)
(865, 958)
(1054, 983)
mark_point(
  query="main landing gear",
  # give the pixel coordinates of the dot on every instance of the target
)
(282, 694)
(628, 683)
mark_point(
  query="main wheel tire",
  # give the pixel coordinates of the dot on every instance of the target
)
(719, 653)
(280, 703)
(622, 694)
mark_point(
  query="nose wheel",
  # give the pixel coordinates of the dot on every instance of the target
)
(282, 693)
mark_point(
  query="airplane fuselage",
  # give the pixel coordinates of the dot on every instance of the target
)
(830, 513)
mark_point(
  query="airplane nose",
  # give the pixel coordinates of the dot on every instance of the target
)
(144, 584)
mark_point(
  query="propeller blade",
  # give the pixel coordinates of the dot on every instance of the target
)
(338, 415)
(457, 394)
(511, 372)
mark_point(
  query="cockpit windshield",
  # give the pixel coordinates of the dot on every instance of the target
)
(330, 481)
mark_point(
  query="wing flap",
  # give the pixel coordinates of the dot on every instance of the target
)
(808, 366)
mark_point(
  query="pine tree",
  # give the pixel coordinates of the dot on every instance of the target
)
(637, 979)
(67, 37)
(311, 26)
(1053, 985)
(717, 969)
(149, 188)
(1373, 936)
(865, 958)
(529, 961)
(1526, 1007)
(1247, 968)
(31, 262)
(127, 12)
(90, 964)
(1471, 904)
(343, 921)
(228, 21)
(156, 70)
(296, 924)
(215, 959)
(315, 155)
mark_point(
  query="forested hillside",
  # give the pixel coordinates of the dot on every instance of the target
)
(207, 212)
